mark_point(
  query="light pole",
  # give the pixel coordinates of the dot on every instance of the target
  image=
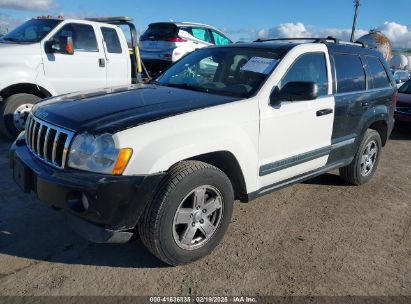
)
(354, 23)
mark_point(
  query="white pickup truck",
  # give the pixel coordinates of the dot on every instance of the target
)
(47, 56)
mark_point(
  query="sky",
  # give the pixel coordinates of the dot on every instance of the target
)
(241, 20)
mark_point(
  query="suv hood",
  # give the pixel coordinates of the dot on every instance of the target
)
(116, 109)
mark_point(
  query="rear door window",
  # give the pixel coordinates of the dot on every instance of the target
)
(220, 39)
(404, 76)
(309, 67)
(350, 73)
(405, 88)
(84, 38)
(111, 39)
(379, 75)
(201, 33)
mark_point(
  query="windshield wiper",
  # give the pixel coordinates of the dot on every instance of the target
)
(187, 86)
(155, 82)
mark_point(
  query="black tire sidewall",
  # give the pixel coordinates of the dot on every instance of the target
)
(206, 176)
(369, 136)
(7, 110)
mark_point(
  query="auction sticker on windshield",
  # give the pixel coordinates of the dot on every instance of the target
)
(260, 65)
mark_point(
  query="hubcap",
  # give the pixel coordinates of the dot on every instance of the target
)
(369, 157)
(197, 217)
(20, 116)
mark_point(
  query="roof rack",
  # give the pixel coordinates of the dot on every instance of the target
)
(315, 40)
(196, 23)
(111, 19)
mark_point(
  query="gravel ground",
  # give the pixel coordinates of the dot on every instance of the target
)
(321, 237)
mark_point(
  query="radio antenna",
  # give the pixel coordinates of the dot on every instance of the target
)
(354, 23)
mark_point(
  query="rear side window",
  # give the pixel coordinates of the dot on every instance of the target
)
(201, 33)
(220, 39)
(309, 67)
(111, 39)
(350, 73)
(379, 75)
(84, 38)
(405, 88)
(404, 76)
(159, 31)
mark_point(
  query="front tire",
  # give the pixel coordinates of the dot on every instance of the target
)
(366, 160)
(14, 111)
(189, 215)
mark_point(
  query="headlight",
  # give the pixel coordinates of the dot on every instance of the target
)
(97, 154)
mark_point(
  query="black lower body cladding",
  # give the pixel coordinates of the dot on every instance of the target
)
(102, 208)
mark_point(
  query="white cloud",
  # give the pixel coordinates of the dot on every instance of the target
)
(286, 30)
(343, 34)
(290, 30)
(30, 5)
(400, 35)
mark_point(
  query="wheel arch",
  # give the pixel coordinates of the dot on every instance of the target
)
(376, 119)
(28, 88)
(381, 127)
(227, 162)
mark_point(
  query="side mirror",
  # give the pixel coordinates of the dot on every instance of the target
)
(295, 91)
(63, 46)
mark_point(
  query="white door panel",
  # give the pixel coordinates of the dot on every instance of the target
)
(294, 128)
(77, 72)
(294, 139)
(118, 70)
(82, 70)
(118, 65)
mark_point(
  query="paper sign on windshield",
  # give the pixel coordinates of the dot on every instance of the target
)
(260, 65)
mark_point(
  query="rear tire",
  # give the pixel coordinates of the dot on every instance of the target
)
(13, 113)
(189, 214)
(366, 160)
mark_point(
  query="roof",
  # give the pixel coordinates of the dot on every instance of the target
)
(333, 45)
(188, 24)
(282, 47)
(264, 46)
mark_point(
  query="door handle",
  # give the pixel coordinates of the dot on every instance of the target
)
(101, 62)
(324, 112)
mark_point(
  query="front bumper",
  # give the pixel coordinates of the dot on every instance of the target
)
(113, 206)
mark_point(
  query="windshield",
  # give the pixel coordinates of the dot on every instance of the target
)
(159, 31)
(405, 88)
(237, 72)
(31, 31)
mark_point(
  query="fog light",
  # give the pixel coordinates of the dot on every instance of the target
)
(84, 201)
(77, 201)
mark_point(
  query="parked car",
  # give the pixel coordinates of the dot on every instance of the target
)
(400, 77)
(403, 107)
(46, 56)
(170, 157)
(166, 42)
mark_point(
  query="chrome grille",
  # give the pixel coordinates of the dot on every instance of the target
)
(48, 142)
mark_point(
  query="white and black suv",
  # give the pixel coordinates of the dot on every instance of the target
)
(163, 43)
(168, 159)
